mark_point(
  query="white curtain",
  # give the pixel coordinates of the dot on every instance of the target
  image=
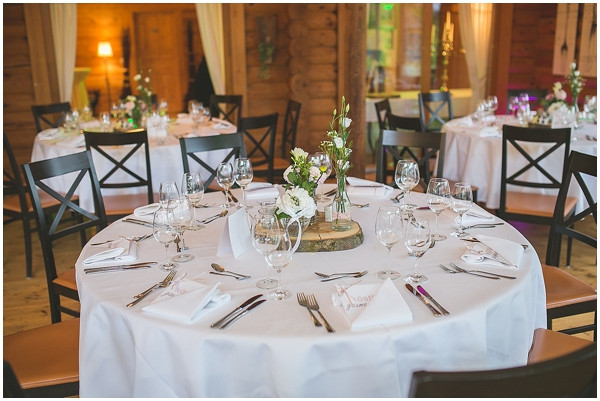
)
(210, 22)
(475, 31)
(64, 34)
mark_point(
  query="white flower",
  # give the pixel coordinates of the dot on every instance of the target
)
(147, 80)
(286, 173)
(137, 77)
(346, 122)
(338, 142)
(298, 153)
(296, 202)
(576, 73)
(315, 173)
(561, 95)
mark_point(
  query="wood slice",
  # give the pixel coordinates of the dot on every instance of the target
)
(319, 237)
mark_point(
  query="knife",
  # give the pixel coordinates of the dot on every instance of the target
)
(429, 297)
(238, 309)
(140, 222)
(425, 301)
(233, 198)
(102, 269)
(239, 315)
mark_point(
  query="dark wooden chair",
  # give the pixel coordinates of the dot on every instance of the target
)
(430, 108)
(288, 139)
(226, 107)
(382, 110)
(52, 228)
(193, 147)
(119, 175)
(45, 361)
(50, 115)
(567, 295)
(259, 135)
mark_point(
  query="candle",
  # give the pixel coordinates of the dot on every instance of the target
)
(451, 33)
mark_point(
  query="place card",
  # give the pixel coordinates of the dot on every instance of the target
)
(236, 238)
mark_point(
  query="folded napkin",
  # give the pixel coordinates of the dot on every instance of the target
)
(222, 125)
(50, 133)
(113, 255)
(78, 141)
(361, 187)
(490, 132)
(185, 300)
(261, 190)
(482, 252)
(146, 210)
(476, 217)
(369, 305)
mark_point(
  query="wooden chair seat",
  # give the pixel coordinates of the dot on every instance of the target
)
(11, 202)
(67, 280)
(535, 204)
(564, 289)
(549, 344)
(44, 357)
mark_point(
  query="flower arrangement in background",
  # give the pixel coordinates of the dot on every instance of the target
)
(575, 82)
(338, 147)
(556, 99)
(302, 179)
(133, 110)
(144, 89)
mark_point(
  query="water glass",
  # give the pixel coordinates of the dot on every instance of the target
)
(243, 176)
(265, 239)
(193, 188)
(407, 177)
(462, 199)
(389, 229)
(165, 233)
(167, 190)
(225, 179)
(438, 200)
(417, 240)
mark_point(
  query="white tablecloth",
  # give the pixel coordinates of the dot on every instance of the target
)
(276, 351)
(165, 157)
(474, 155)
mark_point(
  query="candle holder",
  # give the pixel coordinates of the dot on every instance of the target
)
(447, 49)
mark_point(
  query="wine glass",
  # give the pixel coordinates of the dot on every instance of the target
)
(388, 228)
(243, 176)
(278, 259)
(225, 179)
(462, 199)
(105, 122)
(492, 102)
(167, 190)
(438, 199)
(165, 233)
(265, 239)
(193, 188)
(182, 218)
(407, 177)
(417, 240)
(322, 161)
(195, 111)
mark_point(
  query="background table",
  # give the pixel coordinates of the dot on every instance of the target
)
(276, 351)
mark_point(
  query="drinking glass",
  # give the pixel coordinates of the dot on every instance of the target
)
(195, 111)
(323, 163)
(105, 122)
(278, 259)
(388, 228)
(225, 179)
(165, 233)
(182, 218)
(438, 199)
(417, 240)
(462, 199)
(407, 176)
(167, 190)
(243, 176)
(492, 102)
(265, 239)
(193, 189)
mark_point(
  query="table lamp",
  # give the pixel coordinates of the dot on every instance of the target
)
(105, 51)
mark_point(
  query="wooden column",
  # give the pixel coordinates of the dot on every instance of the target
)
(500, 54)
(234, 33)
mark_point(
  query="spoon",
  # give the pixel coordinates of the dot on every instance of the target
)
(221, 269)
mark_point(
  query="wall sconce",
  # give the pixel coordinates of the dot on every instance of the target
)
(105, 51)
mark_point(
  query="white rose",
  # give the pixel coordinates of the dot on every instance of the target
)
(561, 95)
(315, 173)
(286, 173)
(339, 143)
(298, 153)
(137, 77)
(576, 73)
(346, 122)
(147, 80)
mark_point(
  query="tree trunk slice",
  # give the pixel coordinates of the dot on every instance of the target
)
(319, 237)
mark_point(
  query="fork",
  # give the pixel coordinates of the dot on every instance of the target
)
(356, 275)
(460, 269)
(303, 301)
(474, 274)
(323, 275)
(313, 304)
(163, 283)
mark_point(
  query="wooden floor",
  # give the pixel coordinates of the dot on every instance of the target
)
(26, 300)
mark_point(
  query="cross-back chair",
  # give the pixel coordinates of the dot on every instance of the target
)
(259, 135)
(120, 169)
(50, 115)
(382, 110)
(226, 107)
(194, 147)
(431, 106)
(288, 139)
(52, 228)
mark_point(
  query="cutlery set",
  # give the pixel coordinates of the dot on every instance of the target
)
(118, 268)
(335, 276)
(479, 273)
(238, 312)
(425, 299)
(310, 303)
(162, 284)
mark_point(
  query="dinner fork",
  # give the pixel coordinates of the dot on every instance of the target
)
(303, 301)
(163, 283)
(313, 304)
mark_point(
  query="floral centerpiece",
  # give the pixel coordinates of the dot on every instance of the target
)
(144, 89)
(555, 103)
(339, 149)
(575, 82)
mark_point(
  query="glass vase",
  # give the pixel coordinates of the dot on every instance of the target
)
(340, 208)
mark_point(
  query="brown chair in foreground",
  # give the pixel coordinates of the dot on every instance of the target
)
(50, 115)
(259, 135)
(45, 360)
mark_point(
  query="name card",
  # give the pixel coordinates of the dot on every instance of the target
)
(236, 237)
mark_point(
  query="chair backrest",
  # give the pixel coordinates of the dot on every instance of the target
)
(259, 135)
(402, 145)
(120, 175)
(383, 109)
(581, 167)
(430, 108)
(193, 145)
(290, 127)
(50, 115)
(405, 123)
(226, 107)
(571, 375)
(13, 182)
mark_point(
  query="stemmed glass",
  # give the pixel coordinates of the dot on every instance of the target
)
(196, 112)
(417, 240)
(167, 190)
(265, 239)
(278, 259)
(243, 176)
(492, 102)
(438, 199)
(225, 179)
(388, 228)
(407, 177)
(462, 199)
(323, 163)
(193, 189)
(182, 218)
(165, 233)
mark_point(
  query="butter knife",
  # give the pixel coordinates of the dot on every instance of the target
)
(140, 222)
(435, 312)
(240, 314)
(429, 297)
(103, 269)
(236, 310)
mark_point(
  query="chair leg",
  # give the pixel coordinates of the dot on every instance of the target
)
(55, 313)
(28, 250)
(569, 247)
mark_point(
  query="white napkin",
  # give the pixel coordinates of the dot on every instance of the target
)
(222, 125)
(50, 133)
(490, 132)
(114, 255)
(145, 210)
(186, 300)
(362, 187)
(369, 305)
(476, 217)
(479, 254)
(260, 190)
